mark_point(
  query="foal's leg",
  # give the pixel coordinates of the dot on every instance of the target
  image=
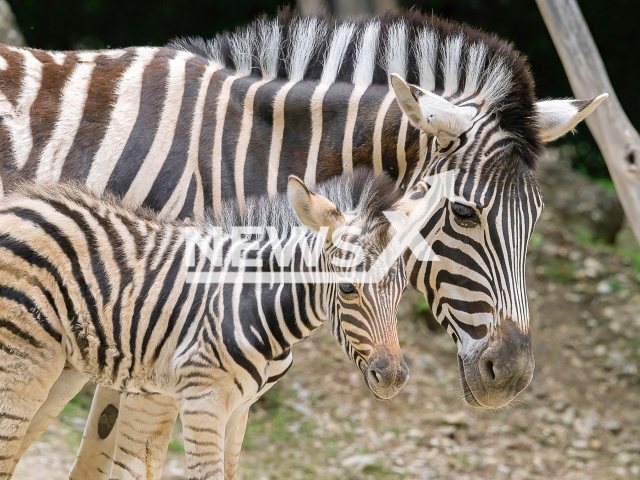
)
(109, 413)
(63, 390)
(204, 418)
(28, 368)
(144, 429)
(96, 450)
(234, 434)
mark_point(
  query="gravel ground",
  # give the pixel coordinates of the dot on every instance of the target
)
(579, 418)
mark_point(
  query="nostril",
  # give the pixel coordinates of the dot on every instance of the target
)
(374, 378)
(488, 368)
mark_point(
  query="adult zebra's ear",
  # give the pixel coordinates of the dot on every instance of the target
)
(430, 113)
(557, 117)
(313, 210)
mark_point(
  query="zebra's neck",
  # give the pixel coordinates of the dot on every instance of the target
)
(330, 129)
(249, 295)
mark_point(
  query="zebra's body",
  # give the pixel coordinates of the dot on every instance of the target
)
(182, 129)
(190, 144)
(88, 283)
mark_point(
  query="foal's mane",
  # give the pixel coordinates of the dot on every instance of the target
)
(360, 192)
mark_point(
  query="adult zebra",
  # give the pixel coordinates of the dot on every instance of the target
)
(181, 129)
(133, 303)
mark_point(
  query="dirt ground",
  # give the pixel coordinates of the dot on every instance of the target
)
(579, 418)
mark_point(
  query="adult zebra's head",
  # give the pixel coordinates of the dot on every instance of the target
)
(480, 234)
(362, 314)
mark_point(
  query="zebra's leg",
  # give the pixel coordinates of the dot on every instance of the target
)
(144, 429)
(204, 419)
(96, 450)
(29, 366)
(67, 386)
(233, 436)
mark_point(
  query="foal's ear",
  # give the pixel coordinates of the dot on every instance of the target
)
(557, 117)
(314, 210)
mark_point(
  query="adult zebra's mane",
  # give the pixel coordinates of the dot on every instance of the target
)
(447, 58)
(359, 192)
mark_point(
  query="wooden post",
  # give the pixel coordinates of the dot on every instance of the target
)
(619, 142)
(9, 32)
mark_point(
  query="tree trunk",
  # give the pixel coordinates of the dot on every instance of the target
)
(619, 142)
(9, 32)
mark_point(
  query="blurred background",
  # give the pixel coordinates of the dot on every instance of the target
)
(580, 416)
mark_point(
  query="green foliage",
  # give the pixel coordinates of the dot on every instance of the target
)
(176, 445)
(560, 271)
(606, 183)
(382, 472)
(273, 420)
(79, 406)
(422, 312)
(536, 241)
(421, 308)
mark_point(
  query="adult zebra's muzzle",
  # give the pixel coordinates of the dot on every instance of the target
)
(386, 373)
(495, 374)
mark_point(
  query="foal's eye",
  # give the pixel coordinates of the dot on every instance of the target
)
(462, 211)
(347, 288)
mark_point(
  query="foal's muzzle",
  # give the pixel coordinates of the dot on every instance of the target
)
(385, 374)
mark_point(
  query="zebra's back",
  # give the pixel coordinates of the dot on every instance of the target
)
(85, 266)
(93, 117)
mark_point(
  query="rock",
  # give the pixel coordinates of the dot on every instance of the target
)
(576, 200)
(559, 406)
(580, 444)
(624, 458)
(593, 268)
(584, 454)
(460, 418)
(584, 425)
(568, 416)
(604, 288)
(600, 350)
(360, 462)
(523, 444)
(302, 408)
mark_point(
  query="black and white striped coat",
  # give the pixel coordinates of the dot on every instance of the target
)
(87, 283)
(185, 128)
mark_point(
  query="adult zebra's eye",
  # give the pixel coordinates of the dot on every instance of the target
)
(347, 288)
(462, 211)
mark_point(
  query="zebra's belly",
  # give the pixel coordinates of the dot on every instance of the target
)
(107, 365)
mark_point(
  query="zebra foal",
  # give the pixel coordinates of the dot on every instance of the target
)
(130, 302)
